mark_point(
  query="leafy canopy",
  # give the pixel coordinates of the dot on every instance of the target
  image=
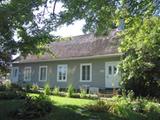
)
(141, 62)
(21, 30)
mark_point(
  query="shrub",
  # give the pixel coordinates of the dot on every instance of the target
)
(47, 90)
(34, 107)
(7, 84)
(12, 95)
(83, 93)
(15, 87)
(28, 87)
(70, 91)
(2, 87)
(130, 95)
(35, 88)
(56, 90)
(100, 106)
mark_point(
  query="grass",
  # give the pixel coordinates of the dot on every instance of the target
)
(64, 109)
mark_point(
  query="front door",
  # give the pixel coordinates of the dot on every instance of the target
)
(112, 76)
(14, 74)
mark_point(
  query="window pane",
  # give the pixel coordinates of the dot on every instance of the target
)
(43, 74)
(115, 69)
(88, 72)
(15, 72)
(83, 72)
(110, 70)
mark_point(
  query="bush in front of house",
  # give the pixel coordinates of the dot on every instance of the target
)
(70, 90)
(130, 109)
(47, 90)
(56, 91)
(99, 106)
(2, 87)
(27, 87)
(34, 107)
(12, 95)
(83, 93)
(34, 88)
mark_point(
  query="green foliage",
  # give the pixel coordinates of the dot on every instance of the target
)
(7, 84)
(124, 107)
(12, 95)
(70, 91)
(102, 16)
(34, 107)
(56, 91)
(99, 106)
(2, 87)
(17, 18)
(140, 63)
(83, 93)
(35, 88)
(47, 90)
(27, 87)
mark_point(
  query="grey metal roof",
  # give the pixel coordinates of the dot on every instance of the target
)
(79, 46)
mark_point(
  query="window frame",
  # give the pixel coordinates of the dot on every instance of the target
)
(40, 73)
(90, 67)
(62, 65)
(30, 73)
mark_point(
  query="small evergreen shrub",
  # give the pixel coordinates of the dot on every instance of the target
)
(35, 88)
(83, 93)
(47, 90)
(70, 91)
(56, 91)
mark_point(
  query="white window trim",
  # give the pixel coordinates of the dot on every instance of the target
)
(24, 74)
(58, 73)
(40, 73)
(84, 64)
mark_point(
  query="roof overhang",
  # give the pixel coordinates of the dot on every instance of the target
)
(72, 58)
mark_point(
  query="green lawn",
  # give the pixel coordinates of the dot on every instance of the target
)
(64, 109)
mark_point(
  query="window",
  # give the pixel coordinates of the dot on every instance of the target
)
(42, 73)
(27, 73)
(86, 72)
(115, 70)
(15, 72)
(110, 70)
(62, 73)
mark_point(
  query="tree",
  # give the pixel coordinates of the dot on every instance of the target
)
(141, 62)
(140, 39)
(17, 18)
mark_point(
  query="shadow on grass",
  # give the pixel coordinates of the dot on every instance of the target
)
(73, 112)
